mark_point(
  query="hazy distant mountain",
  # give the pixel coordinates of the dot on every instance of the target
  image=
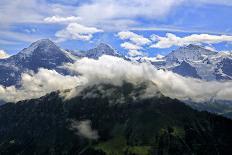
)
(100, 123)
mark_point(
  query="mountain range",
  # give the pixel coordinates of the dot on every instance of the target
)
(44, 54)
(190, 61)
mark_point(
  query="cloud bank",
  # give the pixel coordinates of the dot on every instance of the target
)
(37, 85)
(114, 70)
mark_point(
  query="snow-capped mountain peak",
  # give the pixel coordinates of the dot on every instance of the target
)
(40, 54)
(101, 49)
(189, 53)
(98, 51)
(43, 45)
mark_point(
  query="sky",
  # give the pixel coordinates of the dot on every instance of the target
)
(135, 27)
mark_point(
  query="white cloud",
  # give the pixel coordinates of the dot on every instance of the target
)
(130, 46)
(133, 37)
(21, 11)
(94, 12)
(33, 11)
(158, 58)
(211, 48)
(136, 42)
(75, 31)
(64, 20)
(102, 10)
(84, 129)
(105, 14)
(39, 84)
(173, 40)
(3, 54)
(134, 53)
(27, 12)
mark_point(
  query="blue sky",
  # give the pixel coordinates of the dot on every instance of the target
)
(78, 25)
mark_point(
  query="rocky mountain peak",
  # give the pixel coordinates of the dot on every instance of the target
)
(101, 49)
(193, 46)
(104, 45)
(105, 48)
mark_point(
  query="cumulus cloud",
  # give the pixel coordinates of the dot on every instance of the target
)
(134, 53)
(133, 49)
(75, 31)
(173, 40)
(130, 46)
(133, 37)
(83, 128)
(136, 42)
(64, 20)
(3, 54)
(39, 84)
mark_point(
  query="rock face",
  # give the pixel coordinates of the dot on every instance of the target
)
(224, 69)
(113, 123)
(41, 54)
(186, 69)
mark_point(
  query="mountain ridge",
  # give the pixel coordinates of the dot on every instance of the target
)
(50, 125)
